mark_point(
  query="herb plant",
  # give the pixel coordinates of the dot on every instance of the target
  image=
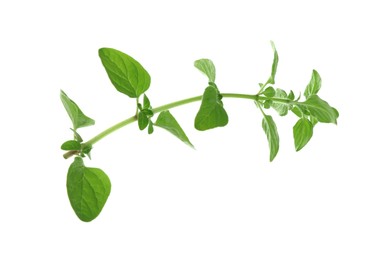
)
(88, 188)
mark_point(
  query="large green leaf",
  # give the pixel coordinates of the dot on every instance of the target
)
(270, 130)
(271, 79)
(302, 133)
(166, 121)
(211, 113)
(125, 73)
(314, 85)
(280, 107)
(88, 190)
(320, 109)
(77, 116)
(207, 67)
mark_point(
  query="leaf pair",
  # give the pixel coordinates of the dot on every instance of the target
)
(211, 113)
(145, 114)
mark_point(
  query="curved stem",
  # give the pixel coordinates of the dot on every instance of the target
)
(159, 109)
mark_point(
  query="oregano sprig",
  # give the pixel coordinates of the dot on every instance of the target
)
(89, 188)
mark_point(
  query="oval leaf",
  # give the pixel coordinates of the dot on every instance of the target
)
(314, 85)
(77, 116)
(211, 113)
(270, 130)
(88, 190)
(321, 109)
(302, 133)
(150, 127)
(281, 108)
(71, 145)
(269, 92)
(142, 120)
(166, 121)
(207, 67)
(125, 73)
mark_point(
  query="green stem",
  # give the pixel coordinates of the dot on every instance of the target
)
(159, 109)
(277, 100)
(259, 106)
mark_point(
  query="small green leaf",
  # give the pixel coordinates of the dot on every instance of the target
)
(297, 111)
(281, 108)
(147, 112)
(267, 103)
(271, 79)
(211, 113)
(77, 136)
(314, 85)
(269, 92)
(88, 190)
(302, 133)
(77, 116)
(150, 127)
(147, 103)
(125, 73)
(207, 67)
(270, 130)
(168, 122)
(71, 145)
(320, 109)
(291, 95)
(87, 150)
(142, 120)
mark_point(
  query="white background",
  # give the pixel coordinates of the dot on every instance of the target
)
(223, 200)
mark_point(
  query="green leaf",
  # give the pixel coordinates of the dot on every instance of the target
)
(87, 151)
(125, 73)
(207, 67)
(297, 111)
(269, 92)
(270, 130)
(314, 85)
(77, 136)
(77, 116)
(320, 109)
(302, 133)
(267, 103)
(147, 112)
(142, 120)
(271, 79)
(71, 145)
(211, 113)
(291, 95)
(147, 103)
(166, 121)
(281, 108)
(150, 127)
(88, 190)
